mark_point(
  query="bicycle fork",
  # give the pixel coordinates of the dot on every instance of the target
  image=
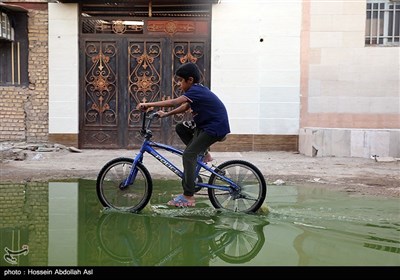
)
(132, 173)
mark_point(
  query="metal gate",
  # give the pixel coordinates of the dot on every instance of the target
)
(124, 62)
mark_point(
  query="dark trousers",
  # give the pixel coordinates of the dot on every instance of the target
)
(197, 142)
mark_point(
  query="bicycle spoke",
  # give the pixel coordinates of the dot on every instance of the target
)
(251, 187)
(131, 198)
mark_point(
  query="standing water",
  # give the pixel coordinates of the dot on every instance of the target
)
(63, 224)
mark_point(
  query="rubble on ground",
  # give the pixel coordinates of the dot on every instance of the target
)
(18, 151)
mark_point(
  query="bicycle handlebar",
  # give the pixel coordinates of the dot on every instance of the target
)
(146, 128)
(154, 115)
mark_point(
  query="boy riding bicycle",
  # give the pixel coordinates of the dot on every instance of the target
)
(211, 125)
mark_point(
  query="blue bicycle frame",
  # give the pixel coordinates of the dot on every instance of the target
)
(149, 147)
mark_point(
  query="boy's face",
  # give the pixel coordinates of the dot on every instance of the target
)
(185, 85)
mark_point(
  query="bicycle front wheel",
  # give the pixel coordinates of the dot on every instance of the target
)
(110, 190)
(252, 187)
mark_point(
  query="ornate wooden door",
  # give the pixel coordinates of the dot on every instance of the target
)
(119, 69)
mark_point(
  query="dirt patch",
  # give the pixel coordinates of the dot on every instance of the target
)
(359, 175)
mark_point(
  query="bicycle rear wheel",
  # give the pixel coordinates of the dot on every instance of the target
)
(248, 177)
(109, 188)
(242, 242)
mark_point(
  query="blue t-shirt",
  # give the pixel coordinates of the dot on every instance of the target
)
(209, 113)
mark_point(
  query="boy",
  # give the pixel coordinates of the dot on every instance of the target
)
(211, 124)
(185, 131)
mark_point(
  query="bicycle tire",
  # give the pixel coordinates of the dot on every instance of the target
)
(253, 188)
(134, 197)
(241, 244)
(124, 237)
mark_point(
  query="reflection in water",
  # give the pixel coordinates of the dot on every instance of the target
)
(337, 228)
(147, 240)
(63, 224)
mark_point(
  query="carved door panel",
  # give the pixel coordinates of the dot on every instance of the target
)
(118, 72)
(152, 65)
(101, 93)
(146, 83)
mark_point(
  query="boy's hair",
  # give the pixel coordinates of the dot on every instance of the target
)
(189, 70)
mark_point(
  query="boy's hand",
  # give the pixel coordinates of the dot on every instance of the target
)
(144, 107)
(161, 114)
(141, 106)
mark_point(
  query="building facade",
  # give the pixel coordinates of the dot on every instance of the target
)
(318, 77)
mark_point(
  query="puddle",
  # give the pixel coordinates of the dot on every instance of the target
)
(63, 224)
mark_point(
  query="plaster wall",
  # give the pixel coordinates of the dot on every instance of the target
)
(63, 68)
(255, 69)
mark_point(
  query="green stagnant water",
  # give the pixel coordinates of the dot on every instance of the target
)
(63, 224)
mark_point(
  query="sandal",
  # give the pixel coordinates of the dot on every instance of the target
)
(181, 201)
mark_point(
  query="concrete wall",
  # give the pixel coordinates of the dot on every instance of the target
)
(63, 69)
(322, 142)
(255, 54)
(349, 91)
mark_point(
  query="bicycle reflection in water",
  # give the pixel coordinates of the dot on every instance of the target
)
(145, 240)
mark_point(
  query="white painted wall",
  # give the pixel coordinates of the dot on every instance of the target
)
(63, 224)
(259, 82)
(63, 68)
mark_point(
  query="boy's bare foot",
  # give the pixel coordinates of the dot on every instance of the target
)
(207, 158)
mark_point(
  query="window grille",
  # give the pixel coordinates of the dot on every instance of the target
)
(6, 31)
(383, 23)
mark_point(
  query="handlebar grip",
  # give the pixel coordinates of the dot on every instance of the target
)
(154, 115)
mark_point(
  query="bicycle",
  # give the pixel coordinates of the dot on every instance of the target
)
(125, 183)
(135, 239)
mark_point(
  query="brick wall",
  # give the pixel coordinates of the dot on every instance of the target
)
(24, 110)
(12, 113)
(24, 220)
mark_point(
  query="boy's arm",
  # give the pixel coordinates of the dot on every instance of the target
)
(183, 108)
(164, 103)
